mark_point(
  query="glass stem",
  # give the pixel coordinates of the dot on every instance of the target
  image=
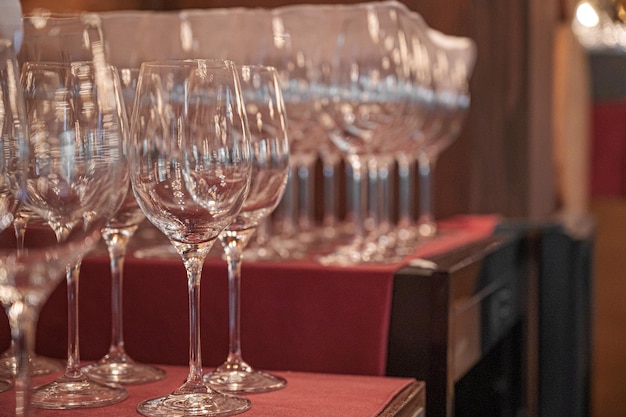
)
(329, 169)
(384, 199)
(19, 224)
(373, 203)
(72, 369)
(193, 258)
(405, 188)
(357, 196)
(234, 305)
(195, 355)
(22, 319)
(306, 187)
(117, 242)
(426, 220)
(286, 210)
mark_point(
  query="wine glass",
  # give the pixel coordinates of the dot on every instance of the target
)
(50, 37)
(9, 115)
(190, 164)
(419, 120)
(270, 149)
(30, 273)
(76, 133)
(117, 366)
(366, 98)
(452, 66)
(300, 61)
(71, 97)
(290, 42)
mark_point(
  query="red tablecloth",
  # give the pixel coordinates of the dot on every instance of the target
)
(296, 315)
(608, 156)
(306, 395)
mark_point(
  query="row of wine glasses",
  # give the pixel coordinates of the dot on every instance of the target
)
(208, 159)
(201, 183)
(190, 164)
(190, 171)
(373, 96)
(392, 93)
(55, 39)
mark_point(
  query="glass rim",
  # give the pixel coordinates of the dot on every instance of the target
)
(67, 64)
(42, 18)
(189, 62)
(257, 67)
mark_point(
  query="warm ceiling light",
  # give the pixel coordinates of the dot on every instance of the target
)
(587, 15)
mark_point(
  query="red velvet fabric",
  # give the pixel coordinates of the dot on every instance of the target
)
(306, 395)
(608, 156)
(296, 315)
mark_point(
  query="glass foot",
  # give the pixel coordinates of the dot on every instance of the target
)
(5, 384)
(371, 250)
(244, 381)
(201, 404)
(81, 392)
(124, 372)
(39, 365)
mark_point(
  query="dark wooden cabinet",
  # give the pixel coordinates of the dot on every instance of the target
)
(502, 327)
(462, 326)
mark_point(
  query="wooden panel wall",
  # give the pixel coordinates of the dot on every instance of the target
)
(502, 161)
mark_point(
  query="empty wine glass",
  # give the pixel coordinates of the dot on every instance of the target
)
(49, 37)
(71, 97)
(366, 98)
(76, 134)
(418, 121)
(30, 273)
(190, 163)
(10, 118)
(117, 366)
(451, 68)
(270, 155)
(296, 59)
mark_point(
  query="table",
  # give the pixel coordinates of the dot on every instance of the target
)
(459, 325)
(296, 315)
(405, 320)
(306, 395)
